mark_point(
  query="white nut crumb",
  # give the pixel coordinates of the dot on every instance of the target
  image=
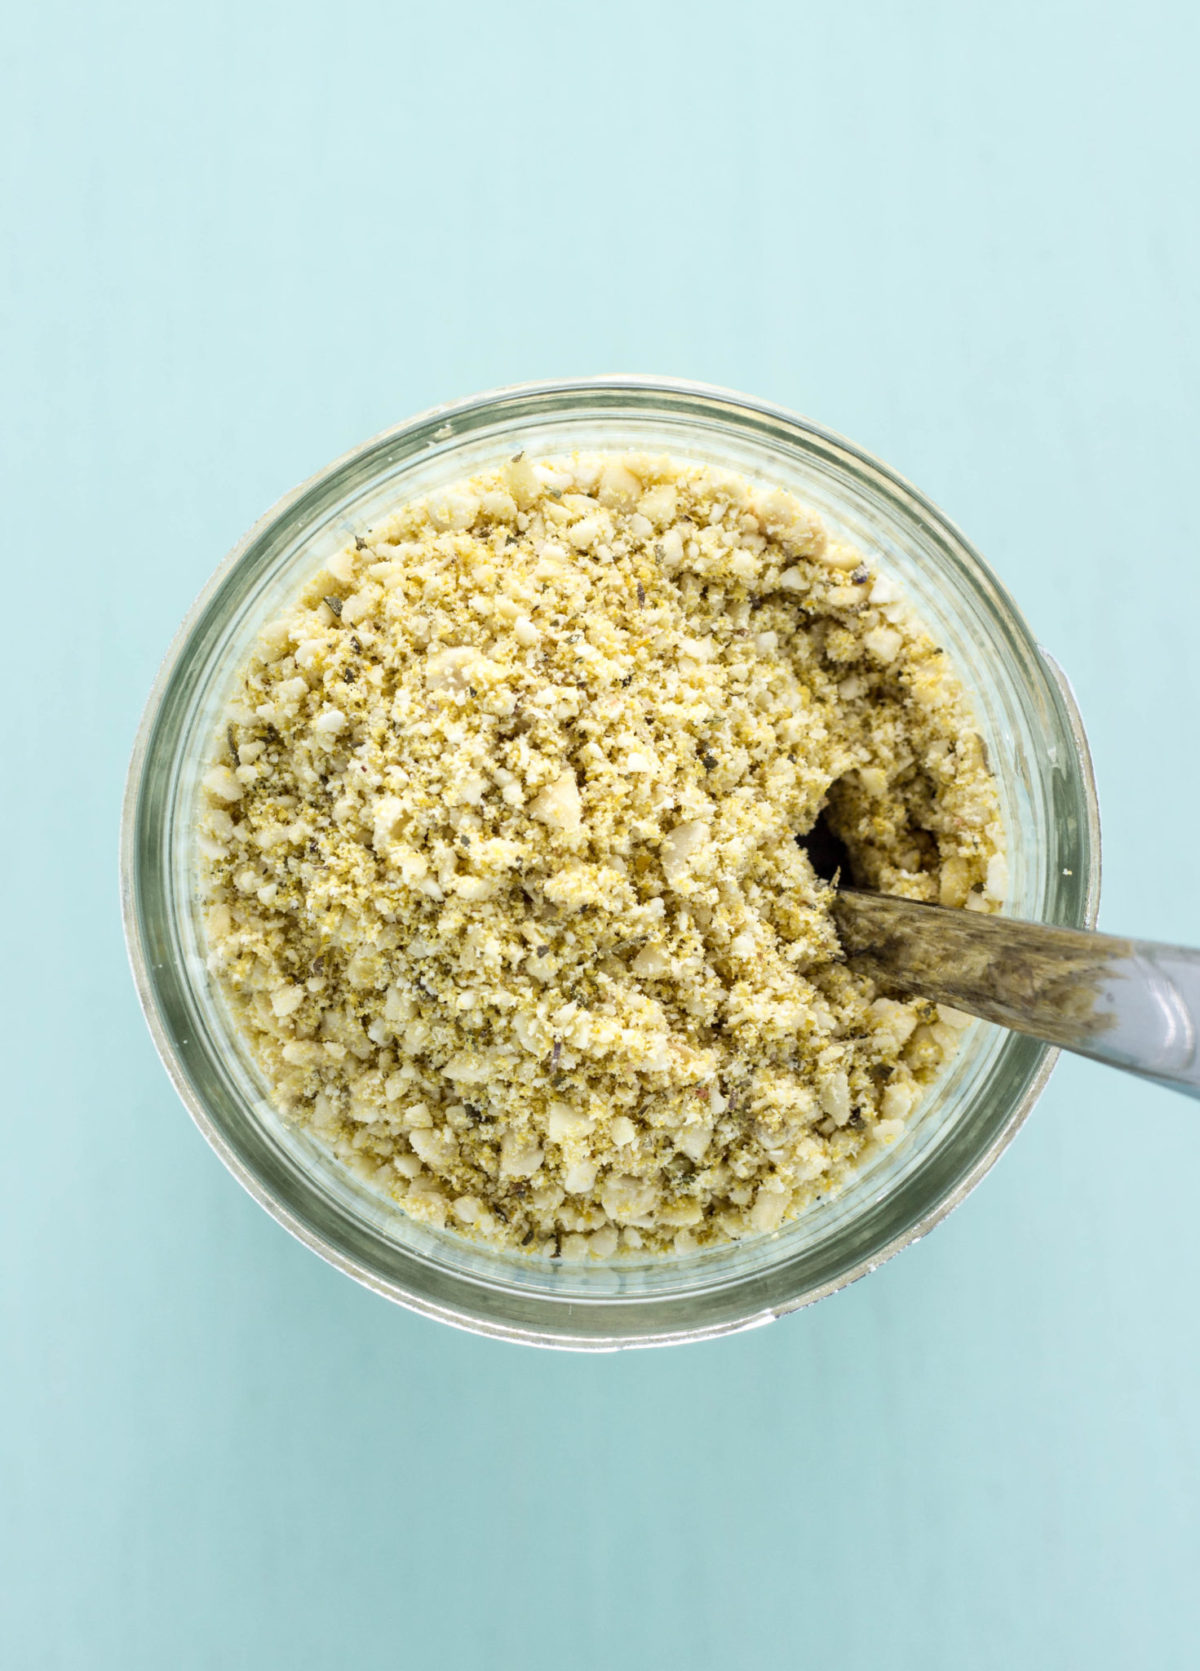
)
(579, 1177)
(838, 556)
(287, 999)
(770, 1204)
(604, 1241)
(651, 962)
(221, 781)
(618, 486)
(680, 848)
(565, 1122)
(659, 504)
(887, 1131)
(558, 805)
(996, 885)
(626, 1197)
(883, 643)
(834, 1097)
(520, 1155)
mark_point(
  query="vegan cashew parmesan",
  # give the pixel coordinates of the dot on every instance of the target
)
(501, 880)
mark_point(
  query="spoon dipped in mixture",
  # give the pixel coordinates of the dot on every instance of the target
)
(1134, 1004)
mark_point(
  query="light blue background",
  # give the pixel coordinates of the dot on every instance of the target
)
(238, 238)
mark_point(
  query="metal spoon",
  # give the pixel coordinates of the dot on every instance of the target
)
(1131, 1003)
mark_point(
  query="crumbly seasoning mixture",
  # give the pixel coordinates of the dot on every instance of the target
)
(501, 877)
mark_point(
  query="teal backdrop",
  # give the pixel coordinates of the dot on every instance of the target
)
(237, 238)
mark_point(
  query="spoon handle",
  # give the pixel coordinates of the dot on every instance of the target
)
(1131, 1003)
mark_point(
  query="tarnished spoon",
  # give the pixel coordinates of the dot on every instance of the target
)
(1131, 1003)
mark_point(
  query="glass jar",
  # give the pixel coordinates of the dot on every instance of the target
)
(1037, 750)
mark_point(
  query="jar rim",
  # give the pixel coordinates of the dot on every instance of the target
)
(469, 1299)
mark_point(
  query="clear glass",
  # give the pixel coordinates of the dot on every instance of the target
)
(1036, 747)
